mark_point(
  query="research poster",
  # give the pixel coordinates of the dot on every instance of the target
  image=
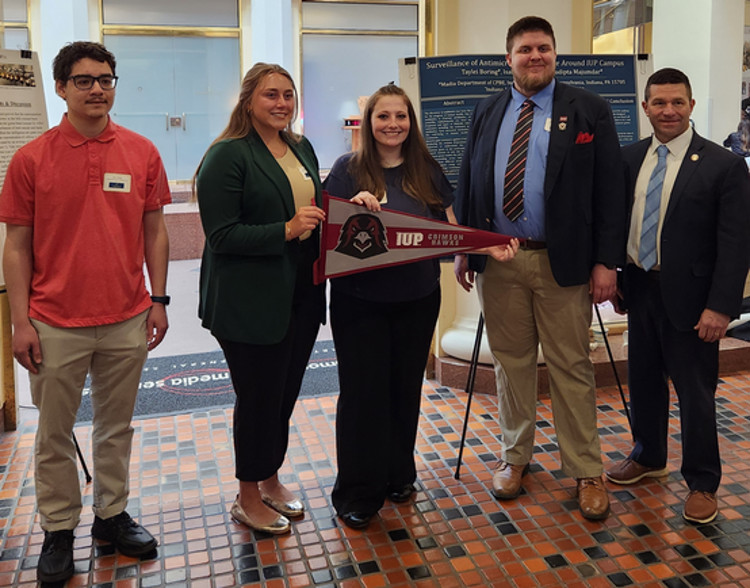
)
(450, 87)
(23, 114)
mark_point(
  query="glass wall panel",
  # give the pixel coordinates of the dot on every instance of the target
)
(16, 38)
(177, 91)
(13, 11)
(198, 13)
(336, 71)
(359, 16)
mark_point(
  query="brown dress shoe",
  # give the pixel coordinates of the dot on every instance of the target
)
(592, 498)
(506, 483)
(700, 507)
(629, 472)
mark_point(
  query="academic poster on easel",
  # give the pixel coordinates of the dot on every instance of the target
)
(449, 87)
(23, 114)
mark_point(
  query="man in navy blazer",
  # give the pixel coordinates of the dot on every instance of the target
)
(573, 225)
(680, 300)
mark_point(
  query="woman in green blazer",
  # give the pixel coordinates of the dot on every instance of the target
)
(258, 189)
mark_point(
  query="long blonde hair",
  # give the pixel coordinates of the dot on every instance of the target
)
(419, 166)
(240, 121)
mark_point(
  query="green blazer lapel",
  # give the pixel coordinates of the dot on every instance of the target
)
(268, 166)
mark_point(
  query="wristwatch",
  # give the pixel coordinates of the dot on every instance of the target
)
(161, 299)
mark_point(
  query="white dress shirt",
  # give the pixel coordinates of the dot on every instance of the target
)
(677, 148)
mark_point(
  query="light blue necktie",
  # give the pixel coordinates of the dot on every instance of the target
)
(647, 251)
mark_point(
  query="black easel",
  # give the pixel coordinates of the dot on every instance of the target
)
(612, 363)
(83, 462)
(470, 388)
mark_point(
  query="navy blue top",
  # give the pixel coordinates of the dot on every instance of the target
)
(734, 142)
(397, 283)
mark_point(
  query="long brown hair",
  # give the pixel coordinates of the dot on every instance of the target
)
(419, 166)
(240, 121)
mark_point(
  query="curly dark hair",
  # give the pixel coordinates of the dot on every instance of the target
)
(74, 52)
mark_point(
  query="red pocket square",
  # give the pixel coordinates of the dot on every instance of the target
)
(584, 138)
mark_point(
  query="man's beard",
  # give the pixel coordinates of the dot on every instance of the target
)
(532, 83)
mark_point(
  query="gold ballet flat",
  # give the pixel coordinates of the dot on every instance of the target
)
(292, 508)
(280, 526)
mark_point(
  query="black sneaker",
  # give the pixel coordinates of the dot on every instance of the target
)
(56, 560)
(128, 537)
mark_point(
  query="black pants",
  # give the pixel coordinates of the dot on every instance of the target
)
(267, 380)
(658, 351)
(382, 351)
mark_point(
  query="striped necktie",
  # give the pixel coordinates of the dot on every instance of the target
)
(651, 211)
(516, 168)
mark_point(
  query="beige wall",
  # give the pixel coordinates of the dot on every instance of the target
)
(479, 26)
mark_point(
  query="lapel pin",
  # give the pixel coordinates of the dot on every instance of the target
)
(694, 157)
(562, 125)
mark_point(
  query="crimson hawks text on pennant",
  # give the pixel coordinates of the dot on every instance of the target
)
(353, 239)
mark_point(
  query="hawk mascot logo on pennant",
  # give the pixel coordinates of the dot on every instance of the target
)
(362, 236)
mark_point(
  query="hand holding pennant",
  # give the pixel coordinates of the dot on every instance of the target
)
(353, 239)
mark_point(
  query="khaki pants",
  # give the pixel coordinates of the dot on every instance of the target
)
(523, 306)
(114, 356)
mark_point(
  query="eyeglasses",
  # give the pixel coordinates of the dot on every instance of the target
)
(106, 82)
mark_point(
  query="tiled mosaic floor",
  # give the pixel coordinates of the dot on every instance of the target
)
(453, 534)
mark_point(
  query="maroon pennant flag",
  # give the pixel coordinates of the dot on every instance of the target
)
(353, 239)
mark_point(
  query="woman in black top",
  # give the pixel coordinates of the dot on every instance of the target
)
(383, 320)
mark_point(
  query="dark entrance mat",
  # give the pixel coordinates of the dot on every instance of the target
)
(194, 382)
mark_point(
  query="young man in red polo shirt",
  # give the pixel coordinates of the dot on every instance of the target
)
(83, 206)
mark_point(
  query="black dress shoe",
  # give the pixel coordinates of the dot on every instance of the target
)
(356, 520)
(56, 560)
(128, 537)
(402, 494)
